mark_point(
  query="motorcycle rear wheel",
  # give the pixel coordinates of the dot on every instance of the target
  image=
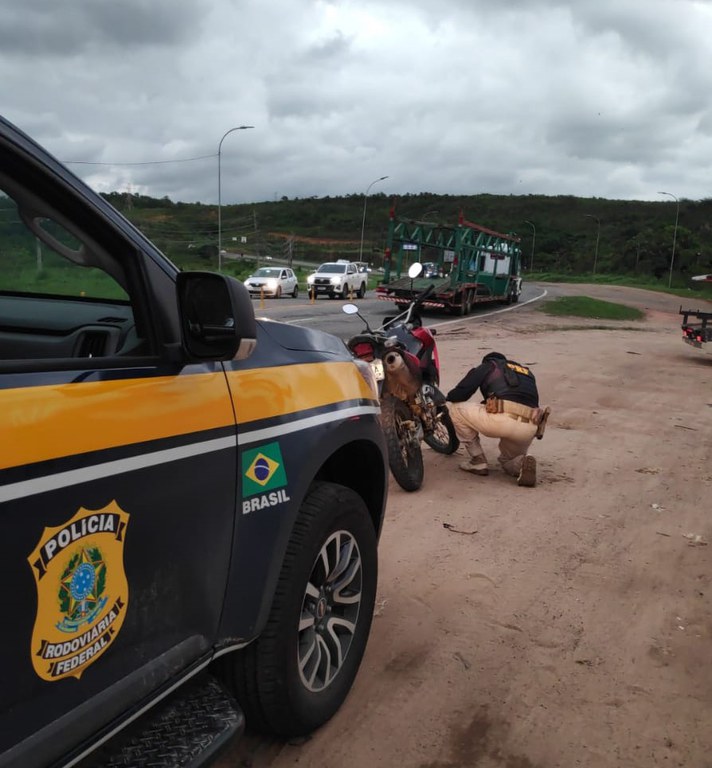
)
(443, 439)
(404, 454)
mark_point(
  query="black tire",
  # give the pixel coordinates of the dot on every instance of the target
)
(466, 305)
(295, 292)
(345, 293)
(405, 457)
(278, 292)
(443, 439)
(281, 691)
(361, 291)
(512, 298)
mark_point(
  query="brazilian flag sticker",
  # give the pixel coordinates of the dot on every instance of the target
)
(262, 470)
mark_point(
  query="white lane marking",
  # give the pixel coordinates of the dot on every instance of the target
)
(510, 308)
(480, 315)
(304, 320)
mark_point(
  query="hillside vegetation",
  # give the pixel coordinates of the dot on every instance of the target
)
(560, 237)
(636, 238)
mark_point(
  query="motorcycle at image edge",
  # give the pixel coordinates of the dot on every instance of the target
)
(404, 360)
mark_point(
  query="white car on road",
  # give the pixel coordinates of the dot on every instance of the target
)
(338, 279)
(274, 282)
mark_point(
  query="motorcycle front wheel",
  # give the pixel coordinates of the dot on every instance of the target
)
(404, 454)
(443, 438)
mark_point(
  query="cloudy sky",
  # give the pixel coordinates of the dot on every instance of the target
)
(593, 98)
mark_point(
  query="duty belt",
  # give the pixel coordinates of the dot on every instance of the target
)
(516, 410)
(519, 412)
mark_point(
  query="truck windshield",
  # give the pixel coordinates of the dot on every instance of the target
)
(337, 269)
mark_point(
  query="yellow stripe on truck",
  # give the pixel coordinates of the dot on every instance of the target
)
(81, 417)
(262, 393)
(90, 416)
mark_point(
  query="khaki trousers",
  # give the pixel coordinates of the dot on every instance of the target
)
(472, 420)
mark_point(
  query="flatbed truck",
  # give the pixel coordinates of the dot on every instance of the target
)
(475, 264)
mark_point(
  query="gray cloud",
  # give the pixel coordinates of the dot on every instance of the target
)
(40, 27)
(461, 96)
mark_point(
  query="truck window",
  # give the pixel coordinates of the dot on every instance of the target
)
(62, 295)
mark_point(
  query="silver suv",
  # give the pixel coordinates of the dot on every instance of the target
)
(337, 278)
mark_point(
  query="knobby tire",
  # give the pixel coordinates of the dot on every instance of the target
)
(407, 470)
(444, 446)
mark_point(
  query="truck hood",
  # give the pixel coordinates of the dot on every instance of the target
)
(304, 339)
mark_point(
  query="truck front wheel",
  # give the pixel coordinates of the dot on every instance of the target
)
(296, 675)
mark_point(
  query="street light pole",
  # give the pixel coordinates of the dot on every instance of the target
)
(674, 234)
(363, 222)
(531, 264)
(598, 236)
(227, 133)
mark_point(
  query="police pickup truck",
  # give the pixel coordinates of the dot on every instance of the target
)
(183, 542)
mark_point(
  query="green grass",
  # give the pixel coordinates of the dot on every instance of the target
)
(584, 306)
(62, 281)
(647, 283)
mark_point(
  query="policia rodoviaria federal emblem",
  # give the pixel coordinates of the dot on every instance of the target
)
(82, 591)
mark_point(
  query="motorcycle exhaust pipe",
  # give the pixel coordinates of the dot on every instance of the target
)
(400, 379)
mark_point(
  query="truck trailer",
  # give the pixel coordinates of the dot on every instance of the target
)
(468, 264)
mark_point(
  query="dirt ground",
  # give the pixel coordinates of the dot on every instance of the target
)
(565, 625)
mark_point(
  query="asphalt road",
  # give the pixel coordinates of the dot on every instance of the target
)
(327, 315)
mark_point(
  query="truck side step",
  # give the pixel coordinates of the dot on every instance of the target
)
(187, 730)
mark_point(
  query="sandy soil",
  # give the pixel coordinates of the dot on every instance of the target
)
(565, 625)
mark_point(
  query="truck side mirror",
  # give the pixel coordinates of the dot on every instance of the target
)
(216, 316)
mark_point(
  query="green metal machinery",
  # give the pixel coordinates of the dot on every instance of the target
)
(467, 263)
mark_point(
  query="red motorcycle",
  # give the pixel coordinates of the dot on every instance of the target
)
(404, 360)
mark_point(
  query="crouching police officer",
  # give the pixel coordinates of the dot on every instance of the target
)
(510, 411)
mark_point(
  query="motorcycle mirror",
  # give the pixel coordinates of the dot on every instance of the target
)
(350, 309)
(415, 269)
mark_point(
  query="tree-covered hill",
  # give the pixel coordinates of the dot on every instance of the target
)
(561, 233)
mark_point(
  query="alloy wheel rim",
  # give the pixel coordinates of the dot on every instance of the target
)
(330, 609)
